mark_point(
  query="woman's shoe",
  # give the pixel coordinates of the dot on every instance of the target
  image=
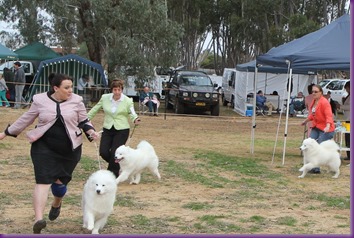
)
(38, 226)
(54, 213)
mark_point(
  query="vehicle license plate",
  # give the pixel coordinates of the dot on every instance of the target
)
(200, 104)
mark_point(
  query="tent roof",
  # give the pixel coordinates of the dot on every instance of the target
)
(325, 49)
(250, 67)
(6, 53)
(36, 51)
(72, 65)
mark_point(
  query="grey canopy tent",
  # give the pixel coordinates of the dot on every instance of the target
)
(325, 49)
(72, 65)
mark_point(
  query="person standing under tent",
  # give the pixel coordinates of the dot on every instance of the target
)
(3, 89)
(308, 100)
(320, 114)
(20, 81)
(9, 78)
(346, 110)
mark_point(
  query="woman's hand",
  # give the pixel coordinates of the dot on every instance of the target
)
(2, 135)
(326, 129)
(137, 121)
(93, 134)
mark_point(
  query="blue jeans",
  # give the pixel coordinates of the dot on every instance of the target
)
(320, 135)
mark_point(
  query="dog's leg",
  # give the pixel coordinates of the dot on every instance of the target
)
(156, 172)
(304, 169)
(137, 178)
(90, 221)
(99, 224)
(122, 177)
(336, 174)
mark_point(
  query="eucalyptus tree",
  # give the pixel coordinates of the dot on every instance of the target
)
(194, 18)
(30, 22)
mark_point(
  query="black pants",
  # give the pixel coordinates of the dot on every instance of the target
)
(347, 141)
(111, 139)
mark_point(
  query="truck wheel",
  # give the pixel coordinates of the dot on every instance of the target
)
(179, 107)
(232, 102)
(224, 102)
(215, 110)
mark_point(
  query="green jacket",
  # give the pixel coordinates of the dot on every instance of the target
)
(118, 119)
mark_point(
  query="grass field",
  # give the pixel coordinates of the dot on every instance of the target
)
(211, 183)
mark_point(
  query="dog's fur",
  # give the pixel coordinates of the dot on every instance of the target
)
(133, 161)
(98, 199)
(317, 155)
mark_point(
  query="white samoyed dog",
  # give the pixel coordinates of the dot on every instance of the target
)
(98, 198)
(133, 161)
(317, 155)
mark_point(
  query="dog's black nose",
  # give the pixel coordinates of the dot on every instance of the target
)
(98, 191)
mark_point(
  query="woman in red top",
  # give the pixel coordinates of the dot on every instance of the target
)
(320, 114)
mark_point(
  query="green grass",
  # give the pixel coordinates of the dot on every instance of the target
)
(333, 202)
(287, 221)
(197, 206)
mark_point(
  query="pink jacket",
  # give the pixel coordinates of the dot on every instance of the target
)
(45, 109)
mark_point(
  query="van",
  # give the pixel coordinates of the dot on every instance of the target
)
(336, 87)
(228, 87)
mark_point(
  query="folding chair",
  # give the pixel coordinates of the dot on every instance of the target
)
(142, 108)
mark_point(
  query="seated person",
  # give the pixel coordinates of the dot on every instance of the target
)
(262, 102)
(148, 98)
(297, 104)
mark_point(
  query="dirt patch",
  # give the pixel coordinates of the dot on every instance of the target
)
(269, 201)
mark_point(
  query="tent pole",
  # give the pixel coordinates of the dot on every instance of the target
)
(287, 110)
(255, 77)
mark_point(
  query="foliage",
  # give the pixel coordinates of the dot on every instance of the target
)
(141, 34)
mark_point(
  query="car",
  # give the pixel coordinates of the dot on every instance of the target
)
(192, 90)
(336, 87)
(228, 87)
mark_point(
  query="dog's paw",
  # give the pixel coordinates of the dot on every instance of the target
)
(300, 176)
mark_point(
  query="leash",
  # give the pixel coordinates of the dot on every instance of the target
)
(97, 152)
(126, 143)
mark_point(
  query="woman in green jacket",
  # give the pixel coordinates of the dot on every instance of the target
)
(118, 109)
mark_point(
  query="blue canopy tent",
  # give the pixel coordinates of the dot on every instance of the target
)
(72, 65)
(325, 49)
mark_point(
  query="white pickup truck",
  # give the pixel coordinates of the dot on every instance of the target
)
(30, 68)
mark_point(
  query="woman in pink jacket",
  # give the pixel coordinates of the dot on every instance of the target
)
(320, 114)
(55, 142)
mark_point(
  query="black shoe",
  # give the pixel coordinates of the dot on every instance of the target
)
(315, 171)
(54, 213)
(38, 226)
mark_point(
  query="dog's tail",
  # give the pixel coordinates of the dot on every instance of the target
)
(330, 145)
(144, 145)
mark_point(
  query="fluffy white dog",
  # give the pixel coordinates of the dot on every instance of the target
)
(98, 199)
(317, 155)
(133, 161)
